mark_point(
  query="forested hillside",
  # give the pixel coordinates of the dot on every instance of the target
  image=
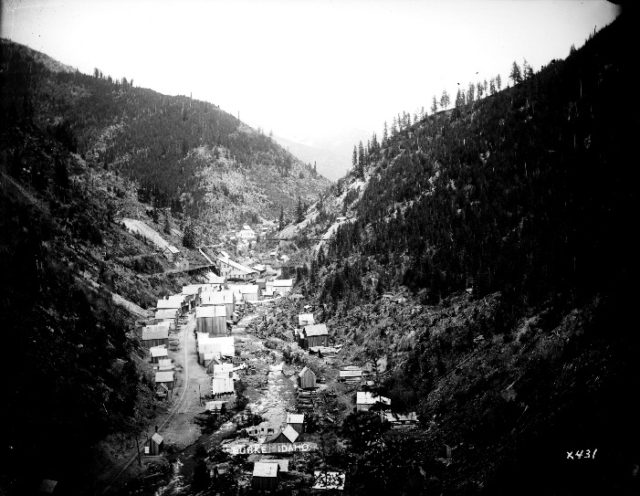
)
(501, 235)
(185, 154)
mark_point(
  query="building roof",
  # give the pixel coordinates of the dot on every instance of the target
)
(305, 319)
(216, 297)
(158, 351)
(157, 331)
(166, 314)
(214, 279)
(304, 371)
(248, 288)
(316, 330)
(280, 283)
(235, 265)
(211, 311)
(295, 418)
(367, 398)
(47, 486)
(174, 301)
(290, 433)
(165, 364)
(157, 438)
(191, 289)
(350, 373)
(265, 469)
(172, 249)
(166, 376)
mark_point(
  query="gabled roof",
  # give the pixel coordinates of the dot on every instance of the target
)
(279, 283)
(367, 398)
(214, 279)
(350, 373)
(295, 418)
(265, 469)
(171, 249)
(304, 371)
(164, 376)
(248, 288)
(316, 330)
(211, 311)
(191, 289)
(157, 331)
(290, 433)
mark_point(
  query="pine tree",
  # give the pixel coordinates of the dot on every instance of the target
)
(480, 90)
(498, 82)
(471, 93)
(492, 86)
(385, 134)
(459, 99)
(434, 105)
(515, 75)
(354, 158)
(444, 99)
(527, 71)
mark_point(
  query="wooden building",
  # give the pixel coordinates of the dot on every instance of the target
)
(171, 253)
(166, 378)
(305, 319)
(350, 374)
(155, 335)
(250, 292)
(168, 316)
(223, 297)
(212, 320)
(155, 445)
(265, 476)
(315, 335)
(307, 378)
(158, 352)
(296, 420)
(222, 385)
(365, 400)
(165, 364)
(281, 287)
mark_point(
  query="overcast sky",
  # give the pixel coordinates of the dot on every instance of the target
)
(304, 68)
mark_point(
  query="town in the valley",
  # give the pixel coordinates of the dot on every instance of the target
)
(248, 378)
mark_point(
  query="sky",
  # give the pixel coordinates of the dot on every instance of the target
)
(306, 70)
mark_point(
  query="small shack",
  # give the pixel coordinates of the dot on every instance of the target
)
(296, 420)
(157, 353)
(250, 292)
(212, 320)
(315, 335)
(155, 335)
(265, 476)
(165, 364)
(222, 385)
(48, 486)
(398, 420)
(171, 253)
(155, 445)
(365, 400)
(305, 319)
(216, 406)
(173, 302)
(281, 287)
(350, 374)
(166, 378)
(307, 379)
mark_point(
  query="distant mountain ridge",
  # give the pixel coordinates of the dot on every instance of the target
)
(170, 145)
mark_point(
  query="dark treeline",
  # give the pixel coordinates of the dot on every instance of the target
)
(528, 191)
